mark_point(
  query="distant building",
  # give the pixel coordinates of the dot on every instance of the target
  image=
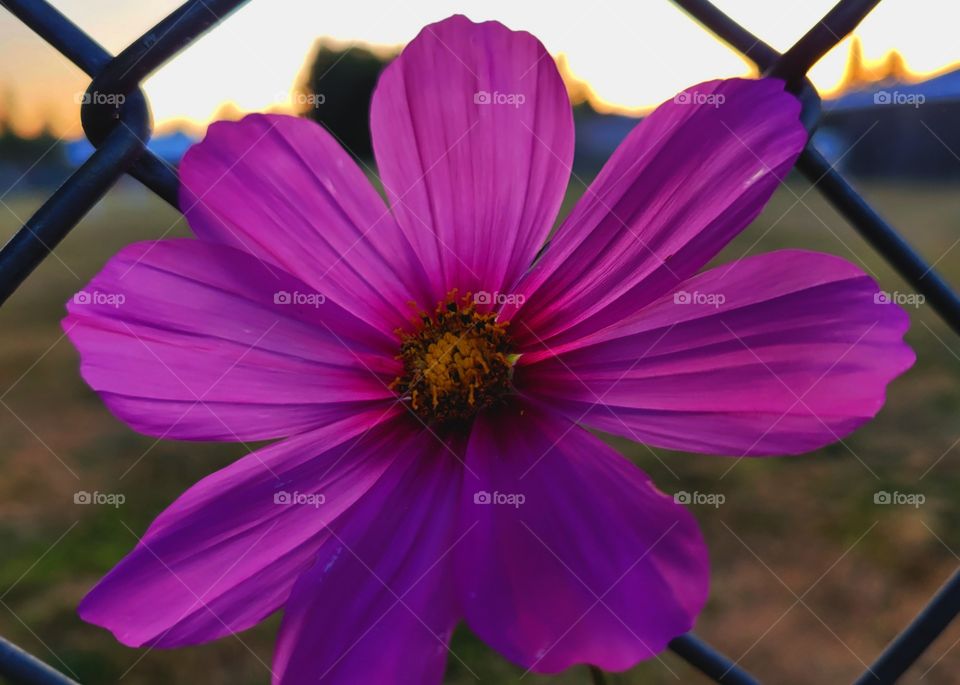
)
(889, 124)
(896, 129)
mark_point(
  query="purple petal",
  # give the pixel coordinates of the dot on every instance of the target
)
(686, 180)
(780, 353)
(186, 340)
(473, 135)
(594, 566)
(379, 606)
(283, 189)
(226, 554)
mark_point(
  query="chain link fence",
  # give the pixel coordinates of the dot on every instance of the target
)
(121, 134)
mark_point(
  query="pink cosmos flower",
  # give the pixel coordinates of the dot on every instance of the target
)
(438, 469)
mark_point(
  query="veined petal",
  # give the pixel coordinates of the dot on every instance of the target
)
(282, 189)
(780, 353)
(378, 606)
(594, 564)
(188, 340)
(226, 554)
(686, 180)
(473, 135)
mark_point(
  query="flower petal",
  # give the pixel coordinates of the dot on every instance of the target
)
(188, 340)
(226, 554)
(378, 606)
(685, 181)
(281, 188)
(779, 353)
(594, 566)
(473, 135)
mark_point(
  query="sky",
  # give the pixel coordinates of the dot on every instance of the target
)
(633, 53)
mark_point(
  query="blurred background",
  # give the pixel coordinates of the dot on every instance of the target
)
(818, 560)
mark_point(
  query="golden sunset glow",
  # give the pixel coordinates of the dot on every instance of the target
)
(621, 56)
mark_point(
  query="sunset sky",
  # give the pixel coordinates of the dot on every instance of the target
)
(633, 53)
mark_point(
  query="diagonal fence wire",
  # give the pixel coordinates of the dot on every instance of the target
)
(120, 136)
(21, 667)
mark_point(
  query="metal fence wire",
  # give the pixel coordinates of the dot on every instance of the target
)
(120, 136)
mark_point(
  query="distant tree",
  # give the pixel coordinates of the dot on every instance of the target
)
(27, 163)
(337, 93)
(36, 150)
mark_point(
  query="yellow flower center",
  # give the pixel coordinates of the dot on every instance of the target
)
(456, 362)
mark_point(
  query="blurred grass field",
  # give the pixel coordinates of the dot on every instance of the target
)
(811, 578)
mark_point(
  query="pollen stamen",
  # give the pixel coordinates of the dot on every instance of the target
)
(457, 362)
